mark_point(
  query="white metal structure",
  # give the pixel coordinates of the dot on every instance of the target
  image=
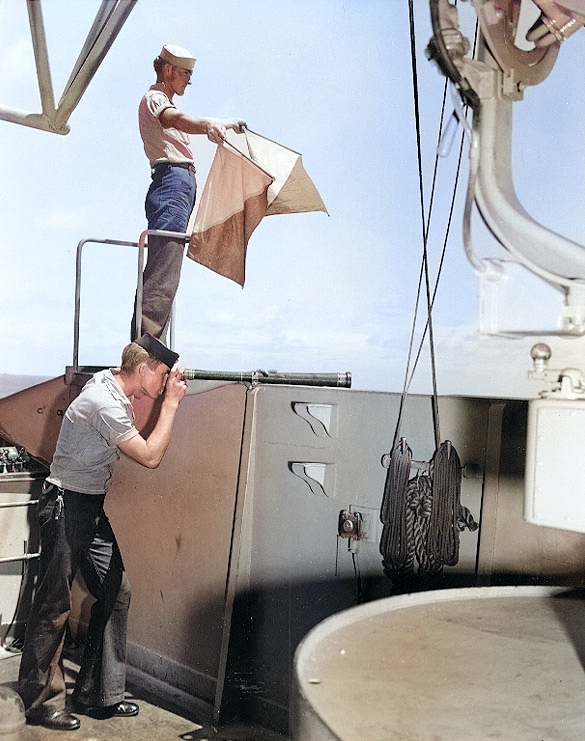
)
(492, 82)
(108, 22)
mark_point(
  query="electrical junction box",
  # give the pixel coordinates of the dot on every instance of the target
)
(555, 464)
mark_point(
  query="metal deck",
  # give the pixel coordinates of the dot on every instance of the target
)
(160, 718)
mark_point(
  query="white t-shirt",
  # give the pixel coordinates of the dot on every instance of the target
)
(160, 144)
(95, 423)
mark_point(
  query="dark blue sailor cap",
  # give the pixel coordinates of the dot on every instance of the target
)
(156, 348)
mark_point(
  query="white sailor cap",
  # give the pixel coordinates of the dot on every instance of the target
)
(177, 56)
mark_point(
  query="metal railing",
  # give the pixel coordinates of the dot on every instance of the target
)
(25, 556)
(142, 242)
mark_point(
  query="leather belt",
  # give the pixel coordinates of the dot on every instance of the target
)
(184, 165)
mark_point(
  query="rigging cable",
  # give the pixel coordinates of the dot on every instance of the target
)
(444, 249)
(425, 221)
(462, 111)
(424, 229)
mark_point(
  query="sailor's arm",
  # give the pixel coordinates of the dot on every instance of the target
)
(214, 128)
(149, 451)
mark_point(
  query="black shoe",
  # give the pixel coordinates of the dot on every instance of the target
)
(122, 709)
(126, 709)
(58, 720)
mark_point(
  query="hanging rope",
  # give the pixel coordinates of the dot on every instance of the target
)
(394, 544)
(443, 536)
(422, 516)
(420, 504)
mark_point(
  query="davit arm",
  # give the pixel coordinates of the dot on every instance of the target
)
(491, 83)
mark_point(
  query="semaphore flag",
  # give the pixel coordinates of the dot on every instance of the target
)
(250, 177)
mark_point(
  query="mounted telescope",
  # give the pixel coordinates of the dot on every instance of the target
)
(259, 376)
(78, 376)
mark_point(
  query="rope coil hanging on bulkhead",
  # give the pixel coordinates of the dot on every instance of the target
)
(422, 515)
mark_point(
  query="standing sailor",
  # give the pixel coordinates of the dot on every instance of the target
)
(170, 199)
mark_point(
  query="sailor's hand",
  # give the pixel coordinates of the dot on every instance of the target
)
(176, 386)
(216, 131)
(217, 128)
(236, 124)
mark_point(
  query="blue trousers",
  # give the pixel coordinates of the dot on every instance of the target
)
(169, 203)
(75, 534)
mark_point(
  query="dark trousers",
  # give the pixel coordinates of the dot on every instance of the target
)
(76, 535)
(160, 282)
(169, 202)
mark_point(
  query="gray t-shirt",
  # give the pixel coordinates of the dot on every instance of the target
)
(95, 423)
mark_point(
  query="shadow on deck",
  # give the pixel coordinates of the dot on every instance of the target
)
(160, 718)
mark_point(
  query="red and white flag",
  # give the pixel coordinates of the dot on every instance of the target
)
(250, 177)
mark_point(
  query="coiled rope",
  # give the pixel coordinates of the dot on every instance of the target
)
(422, 515)
(395, 545)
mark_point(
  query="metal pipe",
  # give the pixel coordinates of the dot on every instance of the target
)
(140, 283)
(534, 244)
(37, 29)
(98, 24)
(271, 377)
(24, 557)
(29, 503)
(87, 67)
(32, 120)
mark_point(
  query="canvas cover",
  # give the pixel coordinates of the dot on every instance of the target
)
(250, 177)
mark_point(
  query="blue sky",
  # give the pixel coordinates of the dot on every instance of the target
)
(328, 78)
